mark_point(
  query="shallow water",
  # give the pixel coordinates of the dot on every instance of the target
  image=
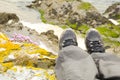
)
(19, 7)
(31, 17)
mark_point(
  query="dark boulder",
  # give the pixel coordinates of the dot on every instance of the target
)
(5, 17)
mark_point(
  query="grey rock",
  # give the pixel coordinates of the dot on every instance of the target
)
(113, 11)
(63, 12)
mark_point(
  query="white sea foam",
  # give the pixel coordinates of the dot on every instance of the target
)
(114, 22)
(42, 27)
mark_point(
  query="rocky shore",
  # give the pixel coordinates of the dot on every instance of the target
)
(81, 16)
(64, 12)
(113, 11)
(20, 46)
(10, 25)
(20, 50)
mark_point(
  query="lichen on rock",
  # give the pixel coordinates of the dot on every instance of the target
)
(26, 56)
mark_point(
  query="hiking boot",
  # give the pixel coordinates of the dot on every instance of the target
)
(94, 42)
(67, 38)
